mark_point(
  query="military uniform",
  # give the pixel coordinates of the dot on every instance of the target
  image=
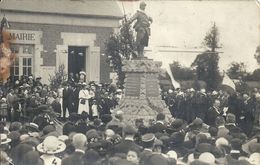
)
(142, 27)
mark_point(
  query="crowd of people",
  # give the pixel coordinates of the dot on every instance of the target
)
(73, 124)
(23, 99)
(190, 104)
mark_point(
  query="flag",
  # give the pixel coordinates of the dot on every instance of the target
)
(175, 84)
(227, 84)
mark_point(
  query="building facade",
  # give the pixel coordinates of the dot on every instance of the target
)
(47, 34)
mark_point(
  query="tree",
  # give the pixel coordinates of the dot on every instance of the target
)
(255, 76)
(59, 77)
(236, 70)
(120, 46)
(211, 39)
(257, 54)
(180, 72)
(206, 63)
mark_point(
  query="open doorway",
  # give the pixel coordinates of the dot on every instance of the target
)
(76, 59)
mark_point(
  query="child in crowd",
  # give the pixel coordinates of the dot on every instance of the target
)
(3, 109)
(133, 155)
(94, 109)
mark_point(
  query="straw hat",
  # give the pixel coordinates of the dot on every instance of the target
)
(4, 139)
(33, 127)
(109, 133)
(254, 158)
(207, 157)
(172, 154)
(221, 141)
(149, 137)
(82, 72)
(3, 100)
(51, 145)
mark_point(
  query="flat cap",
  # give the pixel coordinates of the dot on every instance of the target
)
(149, 137)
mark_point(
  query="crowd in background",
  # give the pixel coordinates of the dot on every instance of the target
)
(22, 100)
(190, 104)
(73, 124)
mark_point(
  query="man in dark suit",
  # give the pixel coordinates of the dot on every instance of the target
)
(159, 126)
(71, 103)
(230, 121)
(76, 158)
(127, 142)
(246, 121)
(201, 104)
(75, 93)
(213, 113)
(148, 144)
(222, 130)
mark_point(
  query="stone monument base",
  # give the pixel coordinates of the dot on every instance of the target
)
(142, 91)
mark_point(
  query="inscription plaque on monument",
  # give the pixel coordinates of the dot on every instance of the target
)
(142, 95)
(152, 89)
(133, 84)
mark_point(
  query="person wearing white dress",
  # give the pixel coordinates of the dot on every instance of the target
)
(84, 97)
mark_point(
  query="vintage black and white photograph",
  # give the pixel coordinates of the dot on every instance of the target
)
(130, 82)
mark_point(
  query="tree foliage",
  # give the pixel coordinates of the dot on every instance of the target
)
(206, 63)
(236, 70)
(120, 46)
(59, 77)
(211, 39)
(180, 72)
(207, 69)
(257, 54)
(255, 76)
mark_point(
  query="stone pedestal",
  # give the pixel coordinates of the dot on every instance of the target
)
(142, 95)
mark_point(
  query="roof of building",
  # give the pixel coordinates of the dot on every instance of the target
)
(98, 8)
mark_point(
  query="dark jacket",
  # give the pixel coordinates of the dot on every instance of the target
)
(157, 127)
(74, 159)
(125, 145)
(211, 116)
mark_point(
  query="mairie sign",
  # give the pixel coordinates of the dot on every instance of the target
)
(25, 36)
(22, 36)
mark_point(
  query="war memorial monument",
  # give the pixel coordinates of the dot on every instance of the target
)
(142, 91)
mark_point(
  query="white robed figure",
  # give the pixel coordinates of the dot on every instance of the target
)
(84, 96)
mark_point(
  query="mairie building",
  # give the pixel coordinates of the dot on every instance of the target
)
(46, 34)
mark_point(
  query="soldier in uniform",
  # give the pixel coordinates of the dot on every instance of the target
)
(142, 27)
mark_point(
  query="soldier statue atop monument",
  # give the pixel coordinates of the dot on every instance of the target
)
(142, 28)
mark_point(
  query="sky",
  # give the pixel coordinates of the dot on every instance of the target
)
(184, 24)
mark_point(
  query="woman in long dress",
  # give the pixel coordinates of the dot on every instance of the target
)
(84, 97)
